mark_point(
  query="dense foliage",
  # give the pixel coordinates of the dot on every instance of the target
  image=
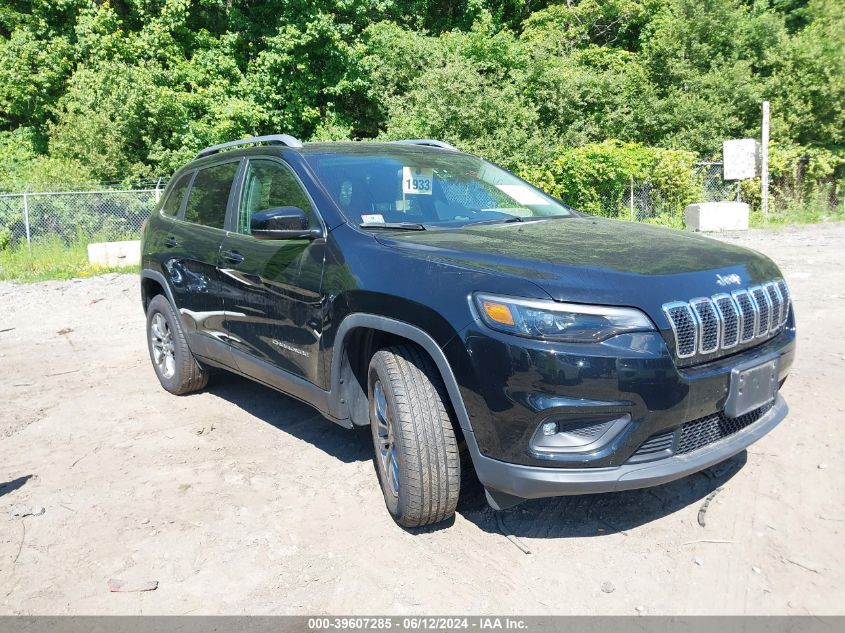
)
(127, 89)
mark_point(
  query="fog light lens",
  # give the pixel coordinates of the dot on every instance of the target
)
(549, 428)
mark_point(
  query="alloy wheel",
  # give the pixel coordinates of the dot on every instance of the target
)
(163, 349)
(386, 446)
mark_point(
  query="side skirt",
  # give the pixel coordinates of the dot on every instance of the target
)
(211, 350)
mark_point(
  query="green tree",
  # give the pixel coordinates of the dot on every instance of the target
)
(807, 86)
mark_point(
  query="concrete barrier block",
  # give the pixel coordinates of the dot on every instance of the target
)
(115, 253)
(716, 216)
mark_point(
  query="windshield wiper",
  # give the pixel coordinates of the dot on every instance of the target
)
(514, 218)
(403, 226)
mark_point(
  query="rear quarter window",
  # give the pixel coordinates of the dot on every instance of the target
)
(209, 195)
(174, 198)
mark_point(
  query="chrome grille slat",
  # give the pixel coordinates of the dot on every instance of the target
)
(708, 325)
(729, 314)
(764, 309)
(705, 326)
(685, 327)
(784, 291)
(750, 316)
(772, 290)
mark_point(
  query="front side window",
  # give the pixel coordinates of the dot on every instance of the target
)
(174, 198)
(269, 185)
(209, 195)
(375, 185)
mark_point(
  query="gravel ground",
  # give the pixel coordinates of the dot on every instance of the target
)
(241, 500)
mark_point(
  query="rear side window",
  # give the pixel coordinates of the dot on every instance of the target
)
(174, 198)
(210, 194)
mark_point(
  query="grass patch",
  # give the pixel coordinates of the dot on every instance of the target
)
(51, 258)
(812, 212)
(805, 214)
(669, 220)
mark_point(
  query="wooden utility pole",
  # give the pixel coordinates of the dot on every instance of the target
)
(764, 162)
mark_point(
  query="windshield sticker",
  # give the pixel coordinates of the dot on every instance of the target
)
(522, 194)
(373, 218)
(417, 180)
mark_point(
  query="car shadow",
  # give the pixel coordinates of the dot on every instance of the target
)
(294, 417)
(600, 514)
(559, 517)
(14, 484)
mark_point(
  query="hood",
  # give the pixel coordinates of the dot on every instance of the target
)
(595, 260)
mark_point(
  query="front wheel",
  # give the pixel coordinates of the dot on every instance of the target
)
(416, 452)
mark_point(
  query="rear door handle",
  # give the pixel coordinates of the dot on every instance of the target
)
(170, 242)
(233, 257)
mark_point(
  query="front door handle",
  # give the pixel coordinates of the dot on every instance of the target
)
(170, 242)
(233, 257)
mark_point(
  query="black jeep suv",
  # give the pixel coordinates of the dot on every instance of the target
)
(471, 320)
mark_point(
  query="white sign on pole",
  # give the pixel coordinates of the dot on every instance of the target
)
(741, 159)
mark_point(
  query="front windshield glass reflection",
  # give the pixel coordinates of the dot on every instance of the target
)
(411, 184)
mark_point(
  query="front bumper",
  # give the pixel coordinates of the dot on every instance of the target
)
(509, 483)
(670, 421)
(511, 386)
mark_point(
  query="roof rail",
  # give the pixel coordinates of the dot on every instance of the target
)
(430, 142)
(271, 139)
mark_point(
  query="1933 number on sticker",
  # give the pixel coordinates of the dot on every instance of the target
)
(417, 180)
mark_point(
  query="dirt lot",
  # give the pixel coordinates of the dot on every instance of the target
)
(240, 500)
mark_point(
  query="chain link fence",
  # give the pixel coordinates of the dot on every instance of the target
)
(101, 215)
(638, 200)
(715, 188)
(112, 214)
(642, 200)
(115, 214)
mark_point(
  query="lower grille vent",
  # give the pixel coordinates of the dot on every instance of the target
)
(657, 443)
(695, 434)
(712, 428)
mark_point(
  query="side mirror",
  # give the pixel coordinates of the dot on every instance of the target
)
(283, 223)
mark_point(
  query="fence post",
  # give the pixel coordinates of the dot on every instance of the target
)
(631, 198)
(157, 194)
(764, 161)
(26, 218)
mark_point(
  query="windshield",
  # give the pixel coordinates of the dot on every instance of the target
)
(409, 184)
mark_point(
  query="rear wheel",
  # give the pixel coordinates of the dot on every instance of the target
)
(174, 364)
(416, 452)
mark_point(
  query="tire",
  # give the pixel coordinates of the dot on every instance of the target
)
(416, 452)
(174, 364)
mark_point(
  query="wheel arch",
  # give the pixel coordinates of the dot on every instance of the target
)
(377, 332)
(153, 283)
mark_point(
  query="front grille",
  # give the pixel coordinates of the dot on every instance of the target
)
(696, 434)
(709, 326)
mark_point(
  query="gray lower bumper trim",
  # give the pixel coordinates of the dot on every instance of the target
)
(532, 482)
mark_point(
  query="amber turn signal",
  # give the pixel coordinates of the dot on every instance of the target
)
(498, 312)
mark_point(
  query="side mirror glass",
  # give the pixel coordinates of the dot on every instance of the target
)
(282, 223)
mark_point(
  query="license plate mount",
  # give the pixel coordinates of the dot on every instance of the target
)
(752, 386)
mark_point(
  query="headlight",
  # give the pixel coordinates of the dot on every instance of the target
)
(550, 320)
